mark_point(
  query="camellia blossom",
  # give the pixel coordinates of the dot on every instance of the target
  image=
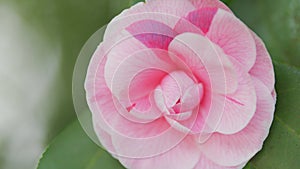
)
(181, 84)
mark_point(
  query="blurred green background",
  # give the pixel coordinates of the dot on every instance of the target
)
(41, 39)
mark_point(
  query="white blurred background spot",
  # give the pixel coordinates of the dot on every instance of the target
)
(28, 69)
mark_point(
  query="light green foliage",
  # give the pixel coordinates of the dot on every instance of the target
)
(72, 149)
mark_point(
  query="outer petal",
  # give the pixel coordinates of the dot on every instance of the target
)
(263, 67)
(209, 3)
(184, 155)
(173, 7)
(239, 106)
(205, 163)
(233, 37)
(199, 20)
(104, 137)
(232, 150)
(164, 11)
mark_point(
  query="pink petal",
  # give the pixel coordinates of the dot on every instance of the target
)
(263, 67)
(137, 76)
(232, 150)
(174, 85)
(105, 110)
(180, 116)
(117, 54)
(239, 106)
(109, 116)
(171, 7)
(143, 146)
(192, 125)
(171, 90)
(192, 97)
(95, 69)
(205, 163)
(184, 155)
(180, 126)
(104, 137)
(202, 18)
(129, 137)
(145, 109)
(164, 11)
(214, 71)
(160, 100)
(205, 60)
(183, 25)
(142, 84)
(151, 33)
(134, 71)
(209, 3)
(233, 37)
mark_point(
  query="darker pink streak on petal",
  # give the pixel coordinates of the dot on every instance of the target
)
(202, 18)
(209, 3)
(263, 68)
(239, 106)
(184, 155)
(235, 149)
(141, 86)
(152, 33)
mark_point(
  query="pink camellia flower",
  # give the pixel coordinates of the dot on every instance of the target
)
(181, 84)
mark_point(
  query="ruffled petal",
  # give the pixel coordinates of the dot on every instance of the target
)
(209, 3)
(233, 37)
(206, 61)
(240, 106)
(165, 11)
(184, 155)
(232, 150)
(263, 67)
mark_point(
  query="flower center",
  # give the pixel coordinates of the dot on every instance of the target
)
(178, 95)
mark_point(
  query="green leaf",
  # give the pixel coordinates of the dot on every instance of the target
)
(72, 149)
(227, 2)
(277, 22)
(132, 2)
(282, 148)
